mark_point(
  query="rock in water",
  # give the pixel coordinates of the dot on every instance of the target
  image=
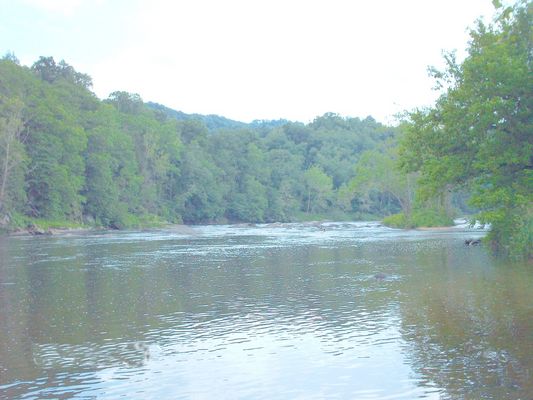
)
(380, 276)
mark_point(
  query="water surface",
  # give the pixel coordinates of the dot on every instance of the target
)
(269, 312)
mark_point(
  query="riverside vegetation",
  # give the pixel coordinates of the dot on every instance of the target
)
(70, 159)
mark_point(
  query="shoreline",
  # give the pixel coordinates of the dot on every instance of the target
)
(189, 229)
(51, 231)
(45, 228)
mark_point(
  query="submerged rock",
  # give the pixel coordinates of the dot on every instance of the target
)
(35, 230)
(380, 276)
(472, 242)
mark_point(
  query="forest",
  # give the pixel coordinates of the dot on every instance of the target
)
(68, 158)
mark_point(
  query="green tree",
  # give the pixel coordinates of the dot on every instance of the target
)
(319, 187)
(119, 161)
(250, 203)
(55, 144)
(130, 103)
(479, 133)
(13, 157)
(112, 184)
(378, 173)
(201, 189)
(48, 70)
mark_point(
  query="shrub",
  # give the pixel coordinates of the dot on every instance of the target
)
(426, 217)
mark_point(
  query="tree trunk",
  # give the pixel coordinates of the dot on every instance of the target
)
(5, 172)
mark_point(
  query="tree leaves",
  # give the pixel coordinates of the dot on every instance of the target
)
(479, 133)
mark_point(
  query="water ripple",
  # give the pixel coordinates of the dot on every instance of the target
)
(274, 311)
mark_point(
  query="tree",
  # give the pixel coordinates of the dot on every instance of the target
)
(48, 70)
(112, 183)
(12, 153)
(377, 173)
(201, 188)
(119, 162)
(319, 187)
(125, 102)
(10, 56)
(250, 203)
(479, 134)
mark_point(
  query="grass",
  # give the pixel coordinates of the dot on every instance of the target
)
(21, 222)
(143, 221)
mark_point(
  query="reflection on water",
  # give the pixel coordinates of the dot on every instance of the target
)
(350, 310)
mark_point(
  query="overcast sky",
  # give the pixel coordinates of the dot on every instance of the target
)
(247, 59)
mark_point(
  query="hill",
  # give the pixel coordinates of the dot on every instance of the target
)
(215, 122)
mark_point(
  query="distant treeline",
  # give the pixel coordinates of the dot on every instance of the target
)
(66, 155)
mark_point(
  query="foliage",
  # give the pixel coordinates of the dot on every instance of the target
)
(47, 69)
(419, 218)
(377, 175)
(67, 156)
(319, 188)
(13, 158)
(20, 221)
(479, 133)
(397, 221)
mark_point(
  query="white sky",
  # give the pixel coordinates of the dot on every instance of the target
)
(249, 59)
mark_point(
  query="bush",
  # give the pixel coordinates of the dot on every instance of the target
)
(419, 218)
(430, 218)
(396, 221)
(511, 233)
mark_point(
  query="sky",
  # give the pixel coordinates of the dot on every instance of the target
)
(247, 59)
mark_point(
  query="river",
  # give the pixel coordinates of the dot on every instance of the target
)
(280, 311)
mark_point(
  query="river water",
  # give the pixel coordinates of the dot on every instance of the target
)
(281, 311)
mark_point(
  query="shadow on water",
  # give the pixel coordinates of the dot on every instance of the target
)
(350, 311)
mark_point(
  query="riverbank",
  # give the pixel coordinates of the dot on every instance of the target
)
(36, 231)
(39, 227)
(19, 225)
